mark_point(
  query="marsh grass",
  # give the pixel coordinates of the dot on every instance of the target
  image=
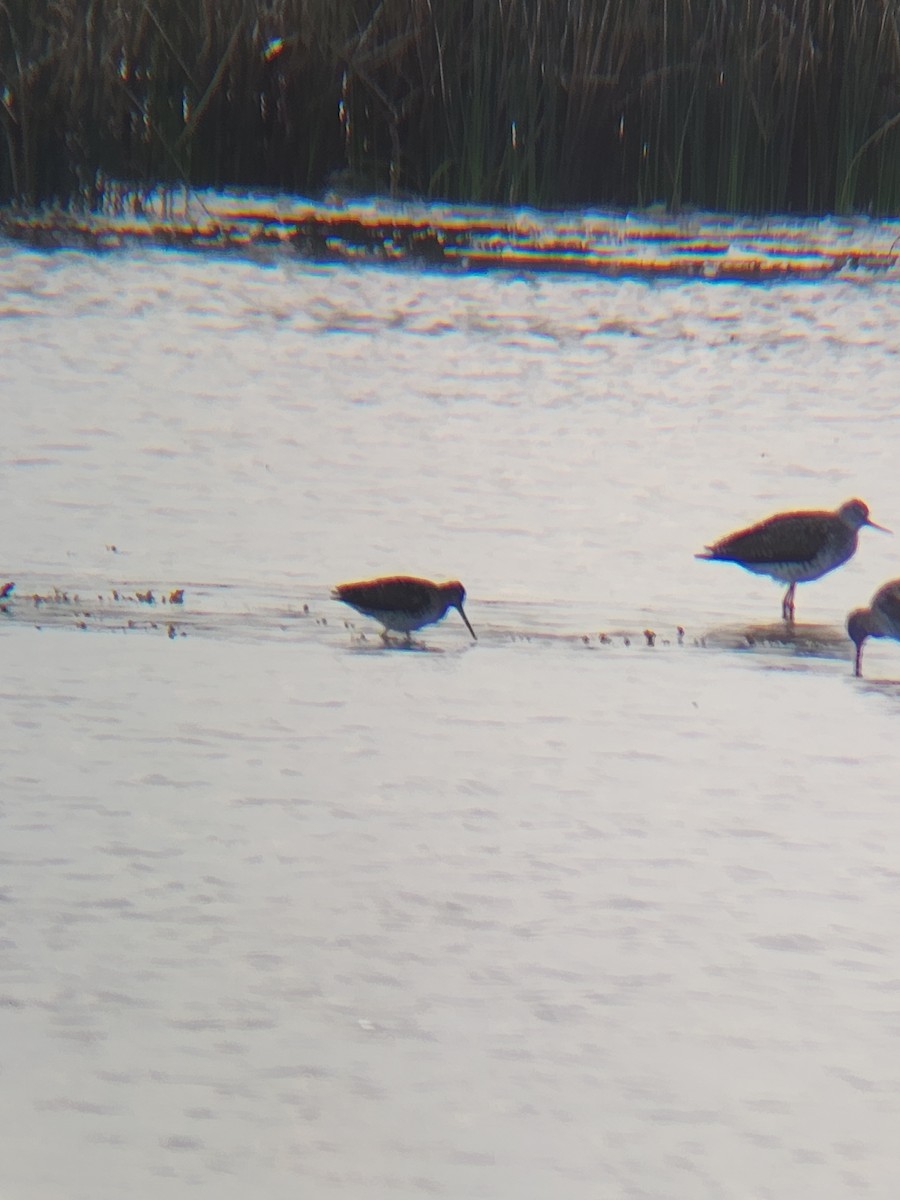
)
(737, 105)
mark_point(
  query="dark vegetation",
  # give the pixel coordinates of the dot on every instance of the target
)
(735, 105)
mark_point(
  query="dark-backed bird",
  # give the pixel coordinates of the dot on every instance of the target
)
(403, 603)
(880, 619)
(795, 547)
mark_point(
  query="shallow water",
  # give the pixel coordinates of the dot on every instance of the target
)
(289, 912)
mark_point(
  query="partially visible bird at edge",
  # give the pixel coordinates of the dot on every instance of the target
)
(880, 620)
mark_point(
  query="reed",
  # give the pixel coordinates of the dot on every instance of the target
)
(739, 105)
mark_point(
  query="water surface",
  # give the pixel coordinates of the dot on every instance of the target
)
(286, 911)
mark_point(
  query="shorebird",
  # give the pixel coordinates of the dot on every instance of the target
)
(880, 619)
(795, 547)
(403, 603)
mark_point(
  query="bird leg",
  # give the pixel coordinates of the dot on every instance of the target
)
(787, 605)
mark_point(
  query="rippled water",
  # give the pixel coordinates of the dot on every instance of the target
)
(285, 912)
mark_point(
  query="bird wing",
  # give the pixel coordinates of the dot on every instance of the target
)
(396, 594)
(887, 601)
(790, 537)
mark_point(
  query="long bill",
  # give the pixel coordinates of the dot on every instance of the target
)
(466, 619)
(857, 671)
(881, 528)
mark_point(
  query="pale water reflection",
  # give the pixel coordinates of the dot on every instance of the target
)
(287, 912)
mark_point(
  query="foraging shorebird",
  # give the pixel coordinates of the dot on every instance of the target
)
(795, 547)
(880, 619)
(403, 603)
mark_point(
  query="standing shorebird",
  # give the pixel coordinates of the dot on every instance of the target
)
(403, 603)
(880, 619)
(795, 547)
